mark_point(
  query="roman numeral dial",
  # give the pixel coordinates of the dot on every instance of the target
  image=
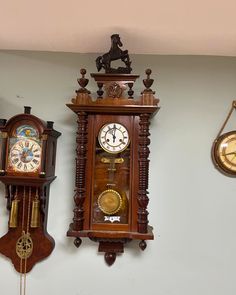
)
(25, 155)
(113, 138)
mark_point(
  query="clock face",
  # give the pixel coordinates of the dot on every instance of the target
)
(225, 152)
(25, 155)
(113, 138)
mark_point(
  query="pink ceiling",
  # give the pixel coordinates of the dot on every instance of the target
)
(205, 27)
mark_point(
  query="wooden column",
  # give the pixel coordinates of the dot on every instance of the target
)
(143, 151)
(81, 152)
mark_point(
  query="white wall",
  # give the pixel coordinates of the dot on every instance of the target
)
(192, 206)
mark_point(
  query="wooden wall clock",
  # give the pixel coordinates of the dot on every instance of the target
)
(27, 167)
(112, 163)
(224, 149)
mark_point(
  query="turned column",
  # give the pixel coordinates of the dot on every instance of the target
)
(81, 151)
(143, 151)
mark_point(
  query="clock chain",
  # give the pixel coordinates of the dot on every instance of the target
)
(233, 107)
(25, 239)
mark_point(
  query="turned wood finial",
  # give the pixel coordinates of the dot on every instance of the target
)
(148, 82)
(83, 82)
(3, 122)
(27, 110)
(130, 91)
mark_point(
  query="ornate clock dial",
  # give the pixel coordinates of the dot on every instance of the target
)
(224, 152)
(25, 155)
(113, 138)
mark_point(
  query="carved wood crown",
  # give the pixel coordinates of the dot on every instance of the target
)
(115, 90)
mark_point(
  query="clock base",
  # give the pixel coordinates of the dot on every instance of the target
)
(111, 242)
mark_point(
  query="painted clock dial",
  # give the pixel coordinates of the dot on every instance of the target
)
(24, 150)
(25, 155)
(113, 138)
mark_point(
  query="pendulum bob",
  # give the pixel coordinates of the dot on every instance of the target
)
(35, 214)
(109, 202)
(13, 221)
(26, 247)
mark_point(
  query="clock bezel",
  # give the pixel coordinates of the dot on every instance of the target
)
(23, 120)
(112, 151)
(10, 160)
(216, 156)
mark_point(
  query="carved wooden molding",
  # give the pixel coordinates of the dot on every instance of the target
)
(81, 151)
(143, 151)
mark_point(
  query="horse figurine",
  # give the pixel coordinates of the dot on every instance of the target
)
(114, 53)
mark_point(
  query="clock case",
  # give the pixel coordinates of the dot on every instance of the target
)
(26, 185)
(112, 105)
(215, 146)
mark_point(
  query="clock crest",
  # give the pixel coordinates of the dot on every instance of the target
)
(112, 163)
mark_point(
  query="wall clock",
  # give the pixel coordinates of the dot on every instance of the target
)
(112, 163)
(27, 167)
(224, 149)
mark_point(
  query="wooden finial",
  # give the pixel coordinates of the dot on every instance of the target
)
(100, 91)
(130, 91)
(148, 82)
(50, 124)
(83, 82)
(27, 110)
(3, 122)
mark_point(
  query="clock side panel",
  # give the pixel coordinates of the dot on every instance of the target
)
(111, 190)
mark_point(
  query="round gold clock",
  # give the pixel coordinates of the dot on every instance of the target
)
(113, 138)
(224, 153)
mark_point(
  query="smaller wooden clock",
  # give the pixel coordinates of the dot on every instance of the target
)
(224, 149)
(27, 167)
(112, 164)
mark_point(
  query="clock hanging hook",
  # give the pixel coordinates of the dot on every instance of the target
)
(233, 107)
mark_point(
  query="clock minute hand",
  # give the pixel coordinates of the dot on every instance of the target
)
(231, 153)
(114, 133)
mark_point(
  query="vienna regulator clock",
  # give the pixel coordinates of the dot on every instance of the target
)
(112, 164)
(27, 166)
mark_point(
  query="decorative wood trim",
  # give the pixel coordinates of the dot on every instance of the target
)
(143, 151)
(81, 152)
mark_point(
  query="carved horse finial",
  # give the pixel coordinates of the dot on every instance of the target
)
(115, 53)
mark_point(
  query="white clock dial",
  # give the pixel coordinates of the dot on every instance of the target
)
(25, 155)
(113, 138)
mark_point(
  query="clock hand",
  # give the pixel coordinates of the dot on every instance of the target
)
(114, 133)
(231, 153)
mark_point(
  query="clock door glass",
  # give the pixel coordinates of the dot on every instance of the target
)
(24, 154)
(227, 152)
(111, 175)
